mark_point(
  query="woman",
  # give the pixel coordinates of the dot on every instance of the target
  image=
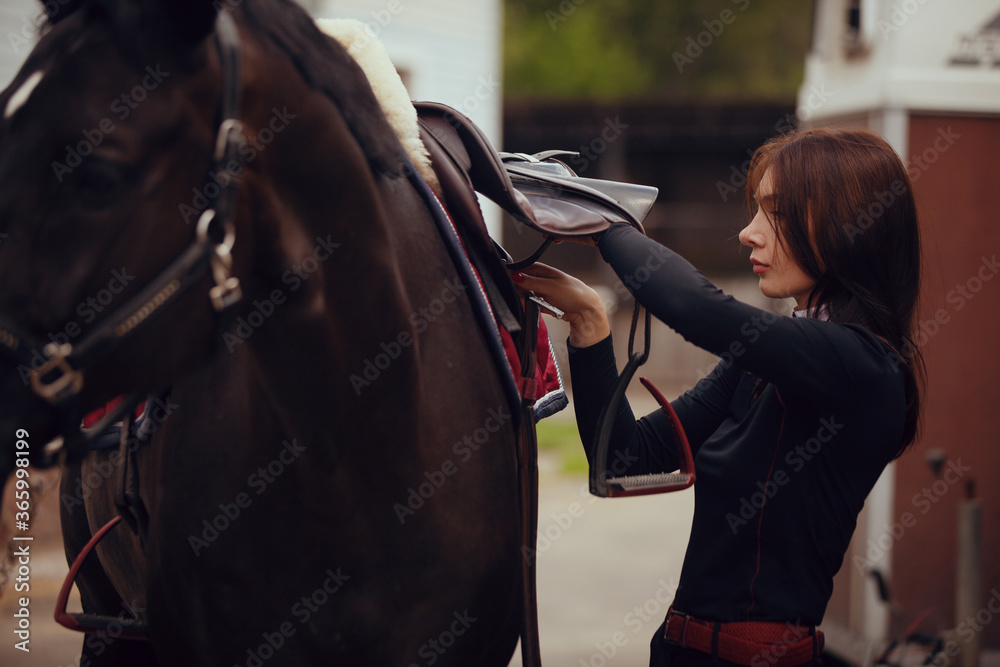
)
(792, 429)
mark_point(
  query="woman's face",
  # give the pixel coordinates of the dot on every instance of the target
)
(780, 275)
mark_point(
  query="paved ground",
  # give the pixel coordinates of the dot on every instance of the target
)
(607, 570)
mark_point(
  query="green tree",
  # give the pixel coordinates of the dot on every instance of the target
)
(677, 50)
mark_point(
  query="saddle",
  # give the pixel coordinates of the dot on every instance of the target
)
(538, 190)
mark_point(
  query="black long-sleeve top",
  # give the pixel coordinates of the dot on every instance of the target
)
(780, 479)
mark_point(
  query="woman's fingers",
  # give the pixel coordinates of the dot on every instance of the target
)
(582, 307)
(543, 271)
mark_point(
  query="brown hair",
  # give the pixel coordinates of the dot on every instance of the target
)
(848, 217)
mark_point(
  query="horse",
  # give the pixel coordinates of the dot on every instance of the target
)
(333, 477)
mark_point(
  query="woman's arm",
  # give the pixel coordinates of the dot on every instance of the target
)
(810, 358)
(646, 445)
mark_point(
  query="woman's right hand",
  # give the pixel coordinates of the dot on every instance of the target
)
(582, 306)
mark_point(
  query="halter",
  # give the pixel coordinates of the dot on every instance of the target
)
(61, 378)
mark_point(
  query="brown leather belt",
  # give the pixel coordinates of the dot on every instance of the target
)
(753, 644)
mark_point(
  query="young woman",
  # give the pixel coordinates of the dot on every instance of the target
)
(792, 429)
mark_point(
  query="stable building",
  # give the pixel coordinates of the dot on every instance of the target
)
(926, 76)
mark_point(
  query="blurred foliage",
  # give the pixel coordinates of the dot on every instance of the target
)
(560, 436)
(661, 49)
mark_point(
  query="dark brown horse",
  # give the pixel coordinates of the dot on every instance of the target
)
(334, 480)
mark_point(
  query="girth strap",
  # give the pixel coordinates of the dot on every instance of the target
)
(527, 449)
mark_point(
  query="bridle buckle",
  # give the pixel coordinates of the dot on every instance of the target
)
(226, 294)
(69, 380)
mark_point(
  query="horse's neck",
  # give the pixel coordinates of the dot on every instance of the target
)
(336, 243)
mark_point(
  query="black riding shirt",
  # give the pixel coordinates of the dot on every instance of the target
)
(789, 432)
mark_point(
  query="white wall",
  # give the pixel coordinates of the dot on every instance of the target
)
(917, 55)
(448, 50)
(17, 35)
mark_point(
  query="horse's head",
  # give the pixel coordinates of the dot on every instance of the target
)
(109, 161)
(96, 127)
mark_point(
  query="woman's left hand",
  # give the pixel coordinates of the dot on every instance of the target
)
(582, 307)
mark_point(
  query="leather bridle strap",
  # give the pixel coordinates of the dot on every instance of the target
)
(59, 381)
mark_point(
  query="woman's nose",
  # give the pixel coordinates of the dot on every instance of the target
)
(750, 235)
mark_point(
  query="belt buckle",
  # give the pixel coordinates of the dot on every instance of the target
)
(666, 630)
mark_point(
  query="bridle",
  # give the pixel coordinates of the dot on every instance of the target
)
(61, 378)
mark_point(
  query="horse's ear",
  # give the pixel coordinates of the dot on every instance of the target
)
(191, 20)
(55, 11)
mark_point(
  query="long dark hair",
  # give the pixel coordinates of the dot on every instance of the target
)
(850, 220)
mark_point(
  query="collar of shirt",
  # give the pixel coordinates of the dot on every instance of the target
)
(818, 313)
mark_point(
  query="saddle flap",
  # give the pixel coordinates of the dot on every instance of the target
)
(472, 152)
(567, 204)
(539, 191)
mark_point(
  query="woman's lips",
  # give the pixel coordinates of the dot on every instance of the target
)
(758, 266)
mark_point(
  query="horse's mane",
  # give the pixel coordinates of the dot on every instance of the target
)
(323, 64)
(327, 67)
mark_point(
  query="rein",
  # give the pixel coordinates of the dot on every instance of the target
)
(60, 379)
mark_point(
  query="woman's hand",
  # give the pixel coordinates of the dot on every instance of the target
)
(583, 307)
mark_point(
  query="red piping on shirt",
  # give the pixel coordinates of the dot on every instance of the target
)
(760, 519)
